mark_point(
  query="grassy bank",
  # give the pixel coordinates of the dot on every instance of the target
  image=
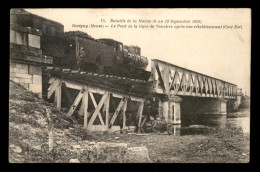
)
(28, 137)
(218, 146)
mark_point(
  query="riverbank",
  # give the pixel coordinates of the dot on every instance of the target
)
(28, 138)
(218, 146)
(239, 113)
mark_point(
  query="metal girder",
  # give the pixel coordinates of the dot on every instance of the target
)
(205, 86)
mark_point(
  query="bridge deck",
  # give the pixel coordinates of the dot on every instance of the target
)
(123, 85)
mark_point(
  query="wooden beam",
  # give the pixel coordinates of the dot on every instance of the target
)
(118, 95)
(73, 85)
(51, 130)
(136, 99)
(142, 124)
(79, 86)
(68, 96)
(120, 105)
(58, 95)
(81, 109)
(96, 112)
(51, 80)
(85, 107)
(95, 104)
(123, 113)
(133, 98)
(52, 88)
(140, 112)
(107, 109)
(97, 90)
(75, 103)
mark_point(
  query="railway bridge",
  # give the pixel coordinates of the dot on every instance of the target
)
(110, 103)
(103, 100)
(187, 92)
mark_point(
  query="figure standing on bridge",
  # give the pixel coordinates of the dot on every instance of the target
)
(80, 59)
(99, 62)
(98, 58)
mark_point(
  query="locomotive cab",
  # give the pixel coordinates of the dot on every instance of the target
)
(110, 42)
(118, 50)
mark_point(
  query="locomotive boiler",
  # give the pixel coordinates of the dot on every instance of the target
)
(106, 56)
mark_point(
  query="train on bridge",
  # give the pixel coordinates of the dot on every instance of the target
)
(106, 56)
(78, 50)
(107, 82)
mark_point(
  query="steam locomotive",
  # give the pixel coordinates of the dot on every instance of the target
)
(105, 56)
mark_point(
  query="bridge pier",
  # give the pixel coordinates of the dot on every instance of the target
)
(170, 109)
(196, 105)
(215, 106)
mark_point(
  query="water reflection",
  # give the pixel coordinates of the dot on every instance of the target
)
(243, 122)
(198, 124)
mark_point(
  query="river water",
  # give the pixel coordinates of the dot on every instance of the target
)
(198, 124)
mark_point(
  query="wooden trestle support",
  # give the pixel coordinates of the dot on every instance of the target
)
(86, 91)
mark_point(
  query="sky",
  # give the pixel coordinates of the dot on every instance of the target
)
(221, 53)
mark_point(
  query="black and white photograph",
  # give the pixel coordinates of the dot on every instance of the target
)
(114, 85)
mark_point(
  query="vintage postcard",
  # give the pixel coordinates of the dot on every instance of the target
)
(130, 85)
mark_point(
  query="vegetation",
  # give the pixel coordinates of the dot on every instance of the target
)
(245, 102)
